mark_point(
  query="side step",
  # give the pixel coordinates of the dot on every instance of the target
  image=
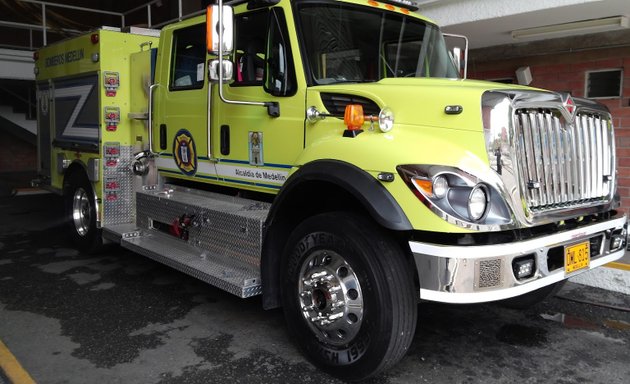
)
(115, 233)
(233, 276)
(223, 225)
(213, 237)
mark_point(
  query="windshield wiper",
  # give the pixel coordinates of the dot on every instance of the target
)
(330, 80)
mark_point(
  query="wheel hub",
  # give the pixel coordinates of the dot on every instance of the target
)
(330, 297)
(81, 211)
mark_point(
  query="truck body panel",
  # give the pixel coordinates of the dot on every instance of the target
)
(338, 170)
(94, 113)
(81, 82)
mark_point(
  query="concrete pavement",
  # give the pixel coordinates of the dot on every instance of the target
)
(117, 317)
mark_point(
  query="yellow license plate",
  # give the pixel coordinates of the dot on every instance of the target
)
(577, 256)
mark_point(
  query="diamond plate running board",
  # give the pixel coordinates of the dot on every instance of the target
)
(222, 225)
(116, 233)
(231, 275)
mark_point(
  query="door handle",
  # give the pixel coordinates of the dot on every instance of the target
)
(225, 140)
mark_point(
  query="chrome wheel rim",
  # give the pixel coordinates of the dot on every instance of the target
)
(330, 297)
(81, 214)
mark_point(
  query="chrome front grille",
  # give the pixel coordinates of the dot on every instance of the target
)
(562, 164)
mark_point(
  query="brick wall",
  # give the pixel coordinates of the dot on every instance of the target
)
(16, 155)
(567, 72)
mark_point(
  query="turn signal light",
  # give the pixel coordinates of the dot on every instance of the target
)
(353, 117)
(94, 38)
(209, 30)
(424, 185)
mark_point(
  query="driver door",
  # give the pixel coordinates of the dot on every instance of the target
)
(252, 147)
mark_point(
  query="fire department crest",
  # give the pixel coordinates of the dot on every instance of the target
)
(185, 153)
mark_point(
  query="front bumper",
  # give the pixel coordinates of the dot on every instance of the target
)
(481, 273)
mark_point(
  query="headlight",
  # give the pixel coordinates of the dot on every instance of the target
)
(457, 196)
(440, 186)
(477, 202)
(386, 120)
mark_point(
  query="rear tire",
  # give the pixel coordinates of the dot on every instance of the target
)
(348, 295)
(80, 213)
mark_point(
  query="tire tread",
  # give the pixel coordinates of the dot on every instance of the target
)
(392, 270)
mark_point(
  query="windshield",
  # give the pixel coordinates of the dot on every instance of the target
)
(345, 43)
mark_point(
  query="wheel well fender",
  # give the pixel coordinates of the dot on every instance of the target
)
(322, 186)
(76, 168)
(79, 170)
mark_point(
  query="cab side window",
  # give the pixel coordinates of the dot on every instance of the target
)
(188, 58)
(250, 48)
(279, 70)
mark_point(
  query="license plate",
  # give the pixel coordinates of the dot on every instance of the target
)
(577, 256)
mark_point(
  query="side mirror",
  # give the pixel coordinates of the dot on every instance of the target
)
(220, 42)
(279, 71)
(213, 70)
(457, 46)
(456, 57)
(212, 29)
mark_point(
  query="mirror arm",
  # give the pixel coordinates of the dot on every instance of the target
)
(273, 108)
(465, 51)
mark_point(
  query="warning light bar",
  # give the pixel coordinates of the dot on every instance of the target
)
(410, 5)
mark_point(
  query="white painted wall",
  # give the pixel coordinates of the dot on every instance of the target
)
(491, 22)
(18, 119)
(16, 65)
(611, 279)
(446, 12)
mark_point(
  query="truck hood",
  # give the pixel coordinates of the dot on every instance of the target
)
(422, 101)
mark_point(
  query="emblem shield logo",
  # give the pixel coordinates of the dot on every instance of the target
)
(185, 152)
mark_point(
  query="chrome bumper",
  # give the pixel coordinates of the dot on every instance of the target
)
(481, 273)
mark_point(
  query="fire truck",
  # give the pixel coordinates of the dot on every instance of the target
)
(329, 156)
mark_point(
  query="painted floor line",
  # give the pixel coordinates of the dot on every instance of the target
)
(12, 368)
(622, 266)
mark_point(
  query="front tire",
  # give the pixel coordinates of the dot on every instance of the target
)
(534, 297)
(348, 295)
(80, 213)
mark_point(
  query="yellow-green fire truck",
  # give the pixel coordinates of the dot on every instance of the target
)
(327, 155)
